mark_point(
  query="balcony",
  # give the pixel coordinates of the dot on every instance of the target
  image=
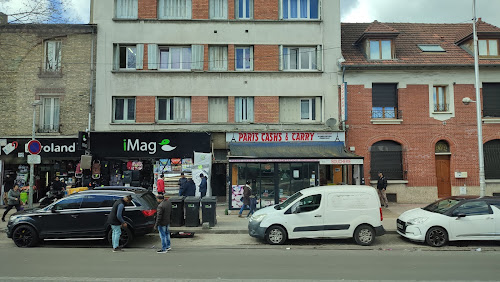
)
(386, 115)
(441, 108)
(50, 73)
(49, 128)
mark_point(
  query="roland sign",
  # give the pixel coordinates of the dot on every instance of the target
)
(55, 148)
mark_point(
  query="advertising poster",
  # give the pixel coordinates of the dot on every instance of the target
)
(236, 195)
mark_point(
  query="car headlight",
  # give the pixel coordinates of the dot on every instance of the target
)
(257, 218)
(418, 220)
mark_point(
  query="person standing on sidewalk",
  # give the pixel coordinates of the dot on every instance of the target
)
(381, 187)
(160, 185)
(13, 200)
(247, 192)
(163, 223)
(203, 185)
(115, 219)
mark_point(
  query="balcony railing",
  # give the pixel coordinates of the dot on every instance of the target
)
(389, 113)
(49, 128)
(441, 108)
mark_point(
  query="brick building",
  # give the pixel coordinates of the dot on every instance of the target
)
(45, 68)
(405, 114)
(225, 67)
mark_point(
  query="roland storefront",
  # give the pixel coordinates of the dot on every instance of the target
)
(278, 164)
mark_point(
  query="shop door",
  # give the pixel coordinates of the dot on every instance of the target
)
(443, 175)
(267, 188)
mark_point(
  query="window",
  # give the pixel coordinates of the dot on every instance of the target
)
(50, 115)
(244, 58)
(98, 201)
(308, 204)
(175, 58)
(473, 208)
(218, 9)
(298, 110)
(69, 203)
(243, 9)
(128, 57)
(52, 55)
(126, 9)
(491, 151)
(217, 109)
(384, 100)
(174, 9)
(386, 157)
(218, 58)
(380, 49)
(300, 9)
(431, 48)
(301, 58)
(243, 109)
(440, 99)
(124, 109)
(491, 99)
(174, 109)
(488, 47)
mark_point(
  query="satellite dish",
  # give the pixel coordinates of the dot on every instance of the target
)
(331, 122)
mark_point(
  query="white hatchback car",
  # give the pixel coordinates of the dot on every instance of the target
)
(452, 219)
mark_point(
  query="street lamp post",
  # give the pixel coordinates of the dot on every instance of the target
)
(32, 166)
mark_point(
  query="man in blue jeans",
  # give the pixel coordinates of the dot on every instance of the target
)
(115, 219)
(163, 223)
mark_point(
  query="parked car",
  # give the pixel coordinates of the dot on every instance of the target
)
(452, 219)
(343, 211)
(84, 215)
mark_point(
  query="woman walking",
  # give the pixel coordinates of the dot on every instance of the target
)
(13, 200)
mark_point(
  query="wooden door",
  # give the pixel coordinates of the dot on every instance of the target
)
(443, 175)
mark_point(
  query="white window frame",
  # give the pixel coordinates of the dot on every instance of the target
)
(289, 12)
(311, 114)
(53, 105)
(184, 13)
(184, 63)
(179, 116)
(214, 56)
(125, 110)
(244, 10)
(128, 49)
(134, 9)
(245, 62)
(221, 12)
(52, 55)
(310, 52)
(244, 109)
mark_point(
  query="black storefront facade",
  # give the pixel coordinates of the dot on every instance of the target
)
(139, 158)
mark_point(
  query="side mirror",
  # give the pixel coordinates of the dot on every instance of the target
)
(297, 209)
(460, 215)
(53, 209)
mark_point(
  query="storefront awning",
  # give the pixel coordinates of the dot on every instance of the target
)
(295, 150)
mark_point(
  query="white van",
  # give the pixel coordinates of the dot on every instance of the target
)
(342, 211)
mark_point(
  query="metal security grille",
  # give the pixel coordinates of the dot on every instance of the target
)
(387, 157)
(492, 159)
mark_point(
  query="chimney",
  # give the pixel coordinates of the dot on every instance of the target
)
(4, 19)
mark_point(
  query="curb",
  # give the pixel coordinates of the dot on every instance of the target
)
(238, 231)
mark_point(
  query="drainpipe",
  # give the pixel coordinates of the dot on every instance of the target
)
(91, 81)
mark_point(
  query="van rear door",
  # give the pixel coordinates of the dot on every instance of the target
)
(305, 217)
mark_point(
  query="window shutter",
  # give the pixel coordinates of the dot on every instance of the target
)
(153, 56)
(491, 99)
(188, 9)
(250, 6)
(237, 109)
(250, 109)
(211, 9)
(251, 58)
(384, 95)
(280, 9)
(135, 9)
(281, 57)
(224, 57)
(161, 9)
(313, 109)
(197, 57)
(139, 60)
(116, 57)
(319, 58)
(236, 9)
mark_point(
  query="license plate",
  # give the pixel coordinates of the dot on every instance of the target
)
(400, 226)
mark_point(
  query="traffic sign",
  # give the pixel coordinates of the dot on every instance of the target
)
(34, 159)
(34, 147)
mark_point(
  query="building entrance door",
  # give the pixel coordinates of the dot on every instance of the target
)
(443, 175)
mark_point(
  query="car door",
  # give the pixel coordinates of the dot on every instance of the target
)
(61, 219)
(94, 213)
(473, 220)
(343, 210)
(305, 218)
(495, 207)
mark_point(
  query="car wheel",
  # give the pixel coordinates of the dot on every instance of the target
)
(25, 236)
(364, 235)
(436, 237)
(125, 238)
(276, 235)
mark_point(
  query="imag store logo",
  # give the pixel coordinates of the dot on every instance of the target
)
(135, 145)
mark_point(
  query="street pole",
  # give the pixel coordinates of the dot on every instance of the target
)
(32, 166)
(482, 181)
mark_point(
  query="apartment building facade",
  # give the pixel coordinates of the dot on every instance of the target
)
(237, 70)
(405, 116)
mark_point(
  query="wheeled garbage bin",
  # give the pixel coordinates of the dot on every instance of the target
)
(208, 214)
(192, 205)
(177, 215)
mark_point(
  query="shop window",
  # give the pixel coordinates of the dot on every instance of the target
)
(243, 9)
(385, 101)
(218, 9)
(300, 9)
(217, 109)
(386, 157)
(440, 95)
(380, 49)
(52, 56)
(126, 9)
(174, 9)
(244, 58)
(491, 154)
(491, 99)
(243, 109)
(123, 109)
(174, 109)
(49, 113)
(218, 58)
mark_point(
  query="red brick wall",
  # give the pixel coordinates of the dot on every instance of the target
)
(230, 58)
(266, 9)
(266, 109)
(205, 58)
(419, 133)
(147, 9)
(230, 9)
(230, 109)
(145, 58)
(200, 9)
(199, 109)
(145, 109)
(266, 57)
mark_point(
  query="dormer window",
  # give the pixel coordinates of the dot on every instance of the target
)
(488, 47)
(380, 49)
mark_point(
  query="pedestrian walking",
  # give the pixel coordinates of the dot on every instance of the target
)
(115, 219)
(188, 189)
(203, 185)
(13, 200)
(182, 182)
(163, 223)
(381, 187)
(160, 185)
(247, 192)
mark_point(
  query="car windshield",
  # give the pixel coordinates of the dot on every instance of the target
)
(442, 206)
(288, 201)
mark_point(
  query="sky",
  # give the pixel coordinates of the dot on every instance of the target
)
(428, 11)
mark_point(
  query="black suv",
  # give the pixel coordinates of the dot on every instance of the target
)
(84, 215)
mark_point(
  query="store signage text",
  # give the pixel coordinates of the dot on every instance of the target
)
(284, 136)
(135, 145)
(53, 148)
